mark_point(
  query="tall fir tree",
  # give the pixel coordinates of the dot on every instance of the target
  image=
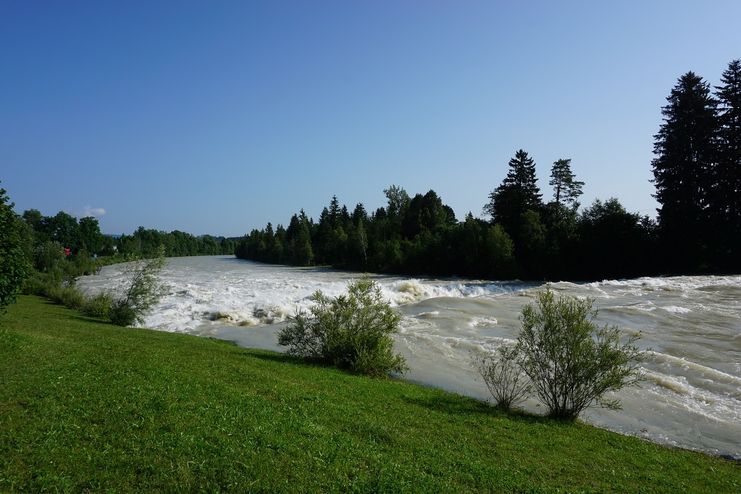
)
(517, 194)
(726, 205)
(684, 169)
(566, 189)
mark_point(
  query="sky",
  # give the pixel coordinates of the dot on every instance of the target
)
(217, 117)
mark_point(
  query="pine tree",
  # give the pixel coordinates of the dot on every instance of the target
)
(566, 189)
(684, 171)
(518, 193)
(725, 208)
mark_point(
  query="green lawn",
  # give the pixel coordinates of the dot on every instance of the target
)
(85, 405)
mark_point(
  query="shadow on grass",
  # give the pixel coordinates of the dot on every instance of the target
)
(462, 405)
(282, 358)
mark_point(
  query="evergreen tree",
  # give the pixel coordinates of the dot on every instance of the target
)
(684, 171)
(566, 189)
(725, 207)
(518, 193)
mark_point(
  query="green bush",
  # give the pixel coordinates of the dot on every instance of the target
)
(351, 331)
(122, 314)
(143, 292)
(571, 362)
(502, 373)
(98, 306)
(67, 295)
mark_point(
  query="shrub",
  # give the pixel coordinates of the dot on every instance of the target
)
(143, 292)
(67, 295)
(98, 306)
(122, 314)
(572, 362)
(48, 255)
(502, 373)
(351, 331)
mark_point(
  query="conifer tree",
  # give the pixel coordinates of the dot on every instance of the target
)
(683, 171)
(725, 208)
(566, 189)
(518, 193)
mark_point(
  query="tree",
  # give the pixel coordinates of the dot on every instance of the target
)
(90, 237)
(571, 362)
(14, 262)
(683, 170)
(143, 292)
(518, 193)
(398, 200)
(725, 206)
(351, 331)
(502, 374)
(613, 243)
(63, 228)
(566, 189)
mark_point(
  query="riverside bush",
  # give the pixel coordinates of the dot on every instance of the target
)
(502, 373)
(143, 292)
(98, 306)
(571, 362)
(351, 331)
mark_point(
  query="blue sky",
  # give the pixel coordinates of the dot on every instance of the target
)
(216, 117)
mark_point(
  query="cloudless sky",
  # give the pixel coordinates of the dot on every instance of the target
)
(217, 117)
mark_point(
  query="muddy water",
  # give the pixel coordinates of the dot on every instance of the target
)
(691, 396)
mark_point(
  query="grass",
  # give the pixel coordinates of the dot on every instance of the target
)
(88, 406)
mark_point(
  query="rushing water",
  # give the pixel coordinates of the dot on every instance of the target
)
(691, 325)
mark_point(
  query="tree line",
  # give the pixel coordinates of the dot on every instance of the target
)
(697, 173)
(63, 234)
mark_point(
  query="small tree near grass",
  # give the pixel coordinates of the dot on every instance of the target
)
(351, 331)
(571, 362)
(143, 292)
(502, 373)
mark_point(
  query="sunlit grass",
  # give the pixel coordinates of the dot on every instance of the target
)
(85, 405)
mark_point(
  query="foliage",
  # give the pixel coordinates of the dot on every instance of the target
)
(683, 170)
(566, 189)
(725, 195)
(142, 293)
(502, 373)
(67, 295)
(697, 172)
(14, 262)
(518, 193)
(571, 362)
(48, 255)
(351, 331)
(98, 306)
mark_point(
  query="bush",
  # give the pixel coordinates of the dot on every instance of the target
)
(143, 292)
(572, 362)
(98, 306)
(48, 256)
(502, 373)
(351, 331)
(122, 314)
(67, 295)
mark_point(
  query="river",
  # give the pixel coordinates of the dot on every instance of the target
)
(690, 327)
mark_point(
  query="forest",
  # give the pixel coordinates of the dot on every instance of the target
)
(63, 234)
(697, 175)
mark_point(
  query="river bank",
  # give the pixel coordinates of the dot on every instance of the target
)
(88, 405)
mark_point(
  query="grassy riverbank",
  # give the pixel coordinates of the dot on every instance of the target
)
(85, 405)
